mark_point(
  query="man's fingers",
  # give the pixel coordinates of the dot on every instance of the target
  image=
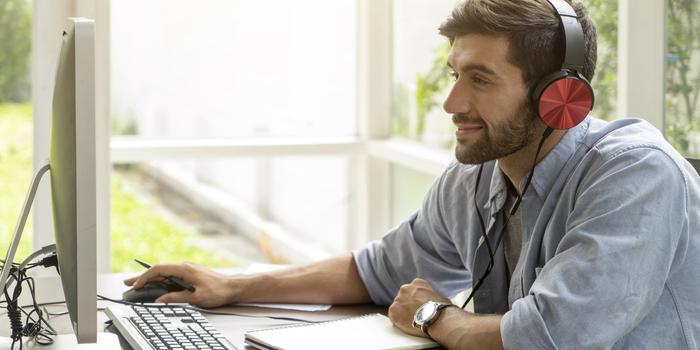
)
(174, 297)
(130, 281)
(157, 272)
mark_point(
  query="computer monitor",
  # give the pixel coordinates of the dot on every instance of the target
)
(73, 175)
(72, 166)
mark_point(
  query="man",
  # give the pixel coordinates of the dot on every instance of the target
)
(599, 250)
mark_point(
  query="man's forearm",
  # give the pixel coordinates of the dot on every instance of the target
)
(332, 281)
(458, 329)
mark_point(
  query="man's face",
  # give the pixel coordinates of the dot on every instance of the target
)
(488, 102)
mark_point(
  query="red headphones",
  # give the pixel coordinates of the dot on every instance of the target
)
(564, 98)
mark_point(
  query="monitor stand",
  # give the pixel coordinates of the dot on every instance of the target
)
(24, 214)
(106, 341)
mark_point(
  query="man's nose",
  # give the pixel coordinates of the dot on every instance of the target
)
(458, 101)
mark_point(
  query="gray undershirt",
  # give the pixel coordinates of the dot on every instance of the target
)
(513, 237)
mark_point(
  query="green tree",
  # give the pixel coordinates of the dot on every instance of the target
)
(15, 48)
(429, 86)
(603, 13)
(682, 72)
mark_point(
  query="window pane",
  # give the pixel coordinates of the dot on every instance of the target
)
(604, 16)
(211, 211)
(420, 74)
(15, 173)
(408, 188)
(682, 115)
(153, 222)
(16, 123)
(233, 68)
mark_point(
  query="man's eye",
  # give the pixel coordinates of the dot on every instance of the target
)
(479, 81)
(454, 75)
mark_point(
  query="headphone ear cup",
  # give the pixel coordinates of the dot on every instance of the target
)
(563, 99)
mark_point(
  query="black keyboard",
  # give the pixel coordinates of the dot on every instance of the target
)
(164, 327)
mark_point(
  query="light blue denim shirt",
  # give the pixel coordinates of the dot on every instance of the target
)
(611, 244)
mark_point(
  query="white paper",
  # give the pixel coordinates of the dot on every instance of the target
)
(296, 307)
(372, 331)
(259, 268)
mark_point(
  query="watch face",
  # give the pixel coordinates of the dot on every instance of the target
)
(426, 312)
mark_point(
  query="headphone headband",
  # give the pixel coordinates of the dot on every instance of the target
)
(573, 35)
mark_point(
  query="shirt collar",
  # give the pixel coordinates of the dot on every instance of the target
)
(546, 171)
(498, 189)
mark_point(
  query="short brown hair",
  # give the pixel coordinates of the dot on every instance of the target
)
(536, 38)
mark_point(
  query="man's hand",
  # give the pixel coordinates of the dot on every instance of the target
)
(411, 296)
(211, 288)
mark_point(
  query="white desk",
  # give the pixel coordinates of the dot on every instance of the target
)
(111, 286)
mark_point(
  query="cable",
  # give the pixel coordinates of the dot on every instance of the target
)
(13, 311)
(43, 251)
(28, 305)
(205, 311)
(34, 326)
(548, 131)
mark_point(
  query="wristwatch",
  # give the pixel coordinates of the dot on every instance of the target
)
(427, 313)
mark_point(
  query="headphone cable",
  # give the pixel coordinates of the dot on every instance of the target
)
(548, 131)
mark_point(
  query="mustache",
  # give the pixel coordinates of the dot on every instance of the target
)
(463, 118)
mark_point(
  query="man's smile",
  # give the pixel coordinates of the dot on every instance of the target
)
(465, 130)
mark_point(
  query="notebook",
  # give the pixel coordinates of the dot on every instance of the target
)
(368, 332)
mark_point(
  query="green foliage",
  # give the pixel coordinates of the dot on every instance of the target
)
(139, 231)
(676, 134)
(15, 48)
(429, 86)
(400, 110)
(124, 128)
(604, 16)
(15, 172)
(139, 228)
(125, 125)
(682, 72)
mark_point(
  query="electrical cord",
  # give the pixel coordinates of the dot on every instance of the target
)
(28, 305)
(548, 131)
(34, 325)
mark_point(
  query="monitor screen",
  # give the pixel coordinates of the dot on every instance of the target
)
(73, 175)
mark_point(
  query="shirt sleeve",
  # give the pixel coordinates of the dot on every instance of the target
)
(612, 264)
(420, 247)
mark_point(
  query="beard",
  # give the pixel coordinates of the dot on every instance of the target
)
(503, 139)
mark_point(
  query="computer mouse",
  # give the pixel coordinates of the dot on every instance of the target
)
(149, 292)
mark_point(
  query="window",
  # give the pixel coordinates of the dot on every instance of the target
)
(421, 77)
(408, 188)
(15, 119)
(604, 15)
(233, 69)
(230, 73)
(682, 81)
